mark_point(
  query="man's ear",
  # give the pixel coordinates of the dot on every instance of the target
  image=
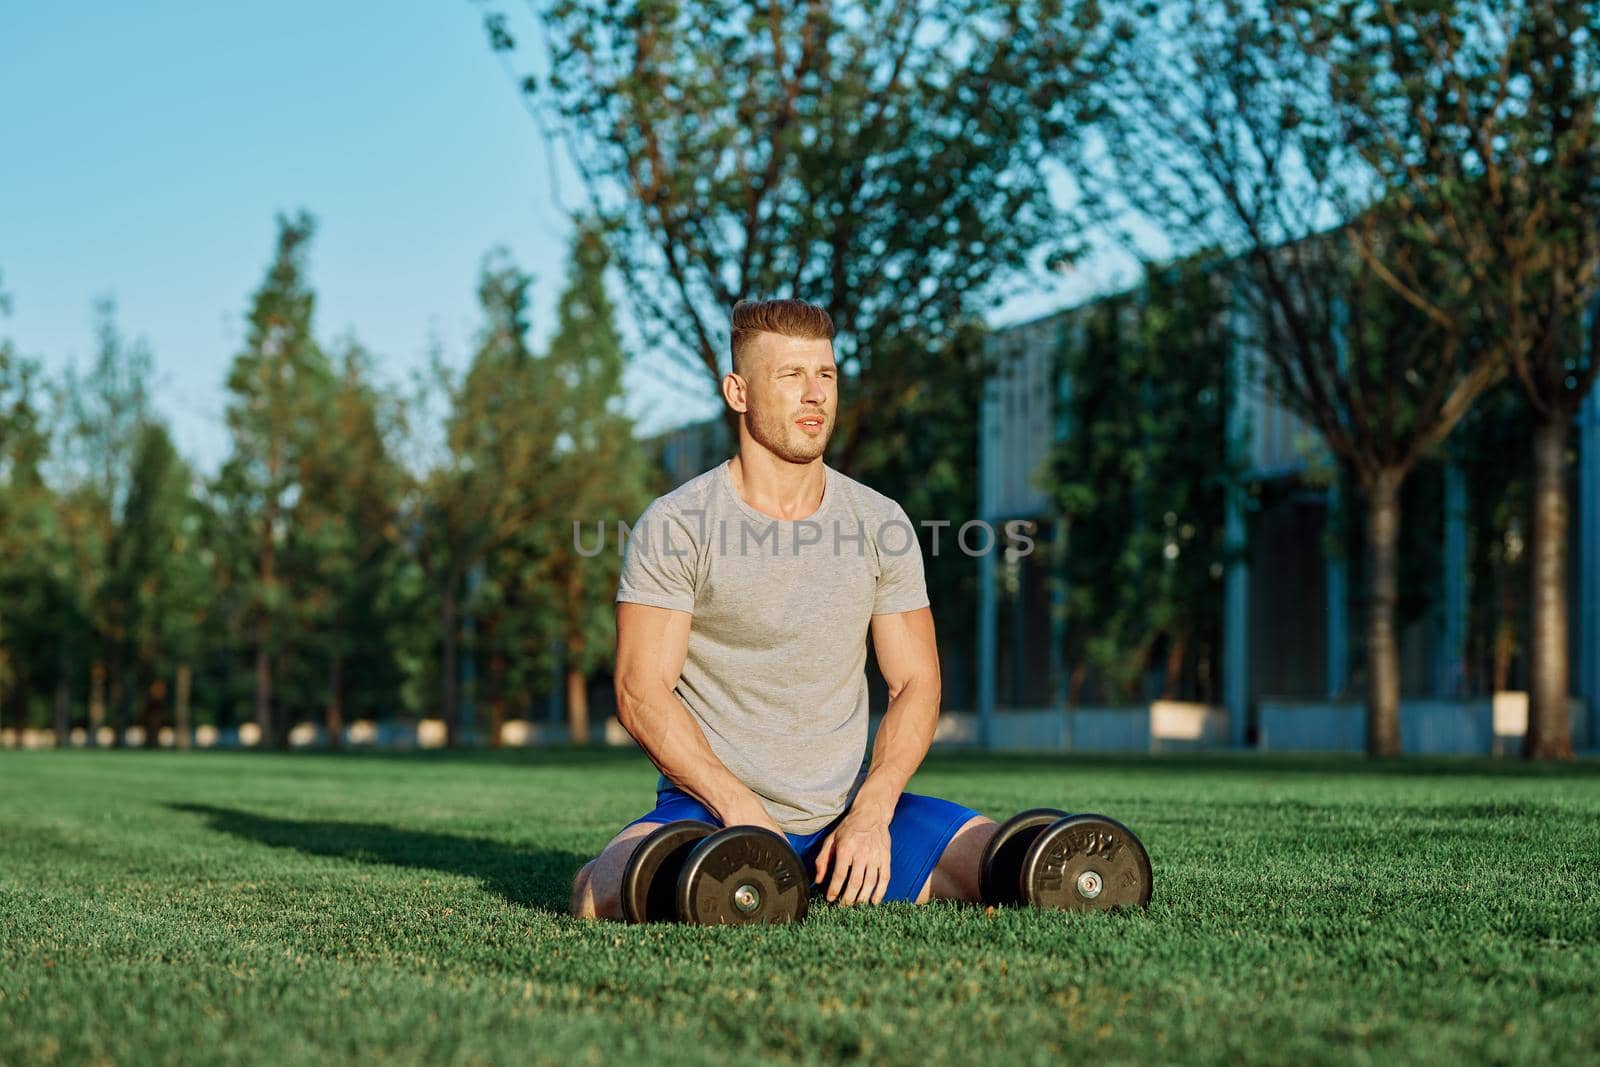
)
(734, 391)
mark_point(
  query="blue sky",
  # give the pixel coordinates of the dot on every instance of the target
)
(146, 148)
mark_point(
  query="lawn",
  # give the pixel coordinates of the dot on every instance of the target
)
(215, 907)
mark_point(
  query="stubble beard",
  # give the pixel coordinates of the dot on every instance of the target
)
(779, 435)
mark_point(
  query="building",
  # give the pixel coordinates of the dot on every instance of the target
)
(1286, 654)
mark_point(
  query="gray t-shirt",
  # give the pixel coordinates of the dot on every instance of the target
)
(776, 668)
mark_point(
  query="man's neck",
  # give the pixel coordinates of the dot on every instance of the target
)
(776, 487)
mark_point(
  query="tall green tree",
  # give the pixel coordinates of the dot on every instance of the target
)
(515, 643)
(495, 476)
(20, 443)
(1216, 126)
(42, 618)
(1479, 123)
(103, 414)
(26, 528)
(18, 420)
(596, 453)
(157, 571)
(276, 384)
(347, 542)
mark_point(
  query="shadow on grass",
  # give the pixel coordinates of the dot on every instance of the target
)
(529, 877)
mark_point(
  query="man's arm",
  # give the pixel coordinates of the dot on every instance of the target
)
(652, 644)
(908, 657)
(858, 850)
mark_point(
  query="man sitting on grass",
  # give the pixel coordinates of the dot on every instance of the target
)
(746, 598)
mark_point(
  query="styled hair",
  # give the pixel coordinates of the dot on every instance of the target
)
(789, 318)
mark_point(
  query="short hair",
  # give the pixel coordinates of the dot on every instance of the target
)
(789, 318)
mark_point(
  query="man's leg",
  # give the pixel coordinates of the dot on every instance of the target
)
(955, 876)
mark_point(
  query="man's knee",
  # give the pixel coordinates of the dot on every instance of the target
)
(583, 906)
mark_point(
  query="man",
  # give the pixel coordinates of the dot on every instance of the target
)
(746, 599)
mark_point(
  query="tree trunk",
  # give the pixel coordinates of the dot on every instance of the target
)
(120, 695)
(97, 701)
(449, 684)
(181, 707)
(577, 706)
(1204, 678)
(1549, 733)
(577, 683)
(1383, 648)
(497, 719)
(1177, 648)
(62, 718)
(63, 723)
(267, 575)
(263, 686)
(335, 715)
(155, 699)
(283, 716)
(1504, 642)
(1075, 684)
(497, 698)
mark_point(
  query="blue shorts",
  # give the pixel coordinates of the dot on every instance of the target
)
(919, 832)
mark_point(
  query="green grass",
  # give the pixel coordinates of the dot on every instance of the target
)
(164, 907)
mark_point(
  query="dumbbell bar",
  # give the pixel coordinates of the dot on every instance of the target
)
(689, 871)
(1049, 859)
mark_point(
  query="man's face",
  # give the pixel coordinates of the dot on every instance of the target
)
(791, 396)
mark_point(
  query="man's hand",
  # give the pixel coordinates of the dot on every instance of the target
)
(749, 812)
(859, 851)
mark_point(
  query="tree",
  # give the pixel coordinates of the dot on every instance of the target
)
(1216, 128)
(598, 454)
(1139, 478)
(276, 383)
(103, 415)
(158, 573)
(42, 619)
(29, 586)
(1493, 453)
(925, 456)
(346, 539)
(495, 476)
(884, 162)
(1479, 123)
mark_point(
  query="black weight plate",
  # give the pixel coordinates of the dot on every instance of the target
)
(743, 874)
(1087, 863)
(1001, 870)
(650, 880)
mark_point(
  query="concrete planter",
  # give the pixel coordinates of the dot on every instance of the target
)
(1482, 727)
(1162, 726)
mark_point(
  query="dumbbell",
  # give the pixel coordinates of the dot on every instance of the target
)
(1049, 859)
(690, 871)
